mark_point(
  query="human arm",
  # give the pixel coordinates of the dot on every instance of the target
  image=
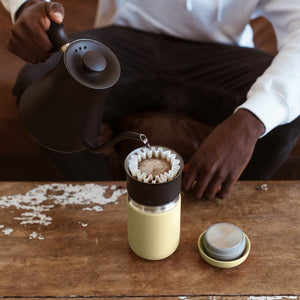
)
(274, 98)
(223, 155)
(29, 39)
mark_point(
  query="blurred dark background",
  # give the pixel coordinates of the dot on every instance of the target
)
(20, 157)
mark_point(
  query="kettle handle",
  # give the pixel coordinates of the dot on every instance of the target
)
(58, 35)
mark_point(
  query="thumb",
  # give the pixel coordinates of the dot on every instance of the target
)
(55, 11)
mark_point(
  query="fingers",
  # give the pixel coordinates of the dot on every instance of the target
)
(196, 180)
(190, 176)
(225, 189)
(55, 11)
(222, 156)
(213, 187)
(208, 183)
(30, 47)
(29, 39)
(210, 189)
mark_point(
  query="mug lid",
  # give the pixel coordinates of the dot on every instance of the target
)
(224, 241)
(220, 254)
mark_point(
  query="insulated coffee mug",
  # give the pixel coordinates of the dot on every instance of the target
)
(154, 206)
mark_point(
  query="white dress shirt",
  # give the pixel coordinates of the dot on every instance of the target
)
(275, 96)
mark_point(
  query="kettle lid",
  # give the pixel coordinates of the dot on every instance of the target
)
(92, 64)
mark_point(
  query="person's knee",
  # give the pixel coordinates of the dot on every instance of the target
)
(284, 135)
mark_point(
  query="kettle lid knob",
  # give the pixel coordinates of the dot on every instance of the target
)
(94, 61)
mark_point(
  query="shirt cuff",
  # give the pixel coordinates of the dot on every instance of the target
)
(269, 108)
(15, 5)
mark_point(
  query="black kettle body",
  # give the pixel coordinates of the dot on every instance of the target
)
(63, 110)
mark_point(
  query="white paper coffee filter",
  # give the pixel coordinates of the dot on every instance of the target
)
(153, 152)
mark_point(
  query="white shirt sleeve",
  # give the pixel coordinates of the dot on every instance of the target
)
(12, 6)
(275, 96)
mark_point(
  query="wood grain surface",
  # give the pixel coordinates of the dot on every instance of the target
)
(85, 253)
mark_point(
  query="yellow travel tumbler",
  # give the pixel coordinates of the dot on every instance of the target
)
(154, 206)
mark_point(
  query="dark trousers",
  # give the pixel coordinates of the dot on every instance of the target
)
(205, 80)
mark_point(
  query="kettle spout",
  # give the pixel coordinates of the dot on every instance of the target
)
(94, 147)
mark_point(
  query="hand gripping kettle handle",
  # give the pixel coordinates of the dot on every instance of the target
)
(58, 35)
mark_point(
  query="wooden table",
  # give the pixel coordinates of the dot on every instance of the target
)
(77, 250)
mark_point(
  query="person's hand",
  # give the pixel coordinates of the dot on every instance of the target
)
(29, 39)
(223, 155)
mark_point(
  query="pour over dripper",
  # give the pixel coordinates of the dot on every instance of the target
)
(153, 212)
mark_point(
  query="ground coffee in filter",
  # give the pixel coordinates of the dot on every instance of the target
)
(154, 165)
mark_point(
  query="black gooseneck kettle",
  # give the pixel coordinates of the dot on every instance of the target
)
(63, 110)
